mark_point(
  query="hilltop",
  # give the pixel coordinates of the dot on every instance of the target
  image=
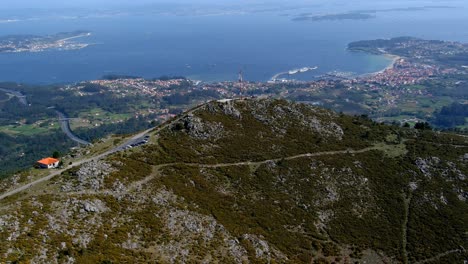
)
(259, 181)
(428, 82)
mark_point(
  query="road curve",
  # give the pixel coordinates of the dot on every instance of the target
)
(220, 165)
(63, 120)
(21, 97)
(65, 125)
(100, 156)
(75, 164)
(156, 130)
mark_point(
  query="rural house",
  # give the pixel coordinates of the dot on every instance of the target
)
(48, 163)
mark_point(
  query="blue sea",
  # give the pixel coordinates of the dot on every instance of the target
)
(216, 47)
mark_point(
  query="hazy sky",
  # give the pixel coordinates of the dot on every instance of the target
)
(62, 3)
(5, 4)
(100, 3)
(8, 4)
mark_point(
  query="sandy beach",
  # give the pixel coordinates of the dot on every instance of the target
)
(394, 59)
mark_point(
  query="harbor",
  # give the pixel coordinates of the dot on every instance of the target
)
(277, 77)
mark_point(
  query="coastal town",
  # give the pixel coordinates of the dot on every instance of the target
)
(394, 87)
(203, 131)
(411, 89)
(26, 43)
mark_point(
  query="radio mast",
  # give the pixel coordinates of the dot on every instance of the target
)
(241, 82)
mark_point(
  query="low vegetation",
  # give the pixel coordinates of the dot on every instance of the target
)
(254, 181)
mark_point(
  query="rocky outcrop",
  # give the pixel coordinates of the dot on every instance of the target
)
(263, 250)
(280, 116)
(94, 206)
(426, 165)
(200, 129)
(89, 177)
(226, 107)
(240, 181)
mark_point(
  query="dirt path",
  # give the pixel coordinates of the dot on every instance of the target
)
(159, 129)
(97, 157)
(404, 237)
(156, 168)
(439, 256)
(258, 163)
(58, 172)
(219, 165)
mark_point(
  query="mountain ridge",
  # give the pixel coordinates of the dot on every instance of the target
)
(257, 180)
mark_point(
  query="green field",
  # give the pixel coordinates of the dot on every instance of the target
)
(28, 130)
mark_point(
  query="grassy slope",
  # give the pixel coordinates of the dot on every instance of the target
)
(329, 207)
(268, 201)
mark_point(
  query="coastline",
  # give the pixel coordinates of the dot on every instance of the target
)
(394, 59)
(276, 77)
(75, 37)
(46, 44)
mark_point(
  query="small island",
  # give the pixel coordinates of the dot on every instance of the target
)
(361, 14)
(334, 17)
(31, 43)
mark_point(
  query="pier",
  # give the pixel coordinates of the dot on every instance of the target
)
(292, 72)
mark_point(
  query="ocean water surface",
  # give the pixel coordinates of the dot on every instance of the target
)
(216, 47)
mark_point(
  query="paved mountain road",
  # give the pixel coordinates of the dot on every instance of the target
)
(65, 125)
(21, 97)
(75, 164)
(137, 138)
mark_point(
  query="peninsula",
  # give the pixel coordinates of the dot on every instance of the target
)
(31, 43)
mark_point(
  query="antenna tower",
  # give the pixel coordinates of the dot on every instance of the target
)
(241, 81)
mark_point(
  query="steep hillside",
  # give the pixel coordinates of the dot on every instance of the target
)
(260, 181)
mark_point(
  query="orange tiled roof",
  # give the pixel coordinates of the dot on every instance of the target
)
(48, 161)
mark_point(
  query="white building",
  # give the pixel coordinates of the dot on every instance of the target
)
(48, 163)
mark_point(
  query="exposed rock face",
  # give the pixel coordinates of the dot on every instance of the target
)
(226, 107)
(413, 186)
(185, 227)
(435, 167)
(95, 206)
(263, 250)
(425, 165)
(10, 183)
(199, 129)
(230, 110)
(290, 114)
(252, 181)
(90, 176)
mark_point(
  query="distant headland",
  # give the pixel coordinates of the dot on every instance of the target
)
(31, 43)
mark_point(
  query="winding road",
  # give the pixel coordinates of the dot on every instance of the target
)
(220, 165)
(21, 97)
(63, 119)
(140, 136)
(121, 147)
(75, 164)
(65, 125)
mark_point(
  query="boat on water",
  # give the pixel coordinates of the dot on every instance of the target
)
(302, 70)
(292, 72)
